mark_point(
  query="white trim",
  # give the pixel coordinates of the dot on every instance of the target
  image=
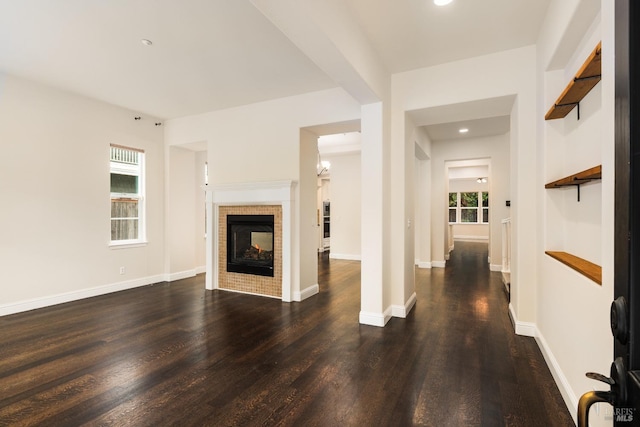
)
(348, 257)
(306, 293)
(424, 264)
(139, 170)
(526, 329)
(375, 319)
(438, 264)
(172, 277)
(463, 238)
(36, 303)
(570, 399)
(495, 267)
(126, 244)
(201, 269)
(255, 193)
(403, 310)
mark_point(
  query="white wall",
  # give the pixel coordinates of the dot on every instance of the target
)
(260, 143)
(573, 311)
(308, 210)
(376, 288)
(54, 182)
(507, 74)
(422, 219)
(199, 212)
(345, 206)
(495, 150)
(180, 212)
(472, 231)
(185, 212)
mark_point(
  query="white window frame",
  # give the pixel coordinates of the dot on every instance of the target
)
(133, 170)
(459, 208)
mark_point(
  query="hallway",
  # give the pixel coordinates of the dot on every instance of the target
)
(176, 354)
(496, 377)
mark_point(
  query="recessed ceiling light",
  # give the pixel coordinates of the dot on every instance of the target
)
(442, 2)
(463, 130)
(146, 42)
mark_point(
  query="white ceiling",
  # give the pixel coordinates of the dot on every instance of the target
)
(483, 117)
(468, 172)
(410, 34)
(478, 128)
(341, 143)
(214, 54)
(206, 54)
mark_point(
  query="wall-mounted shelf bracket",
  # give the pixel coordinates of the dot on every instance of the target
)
(569, 106)
(577, 179)
(586, 78)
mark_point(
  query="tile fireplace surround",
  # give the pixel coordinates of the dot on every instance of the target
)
(262, 198)
(250, 283)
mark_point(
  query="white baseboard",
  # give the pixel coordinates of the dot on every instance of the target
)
(495, 267)
(526, 329)
(531, 330)
(172, 277)
(306, 293)
(438, 264)
(570, 399)
(465, 238)
(375, 319)
(201, 269)
(36, 303)
(348, 257)
(403, 310)
(424, 264)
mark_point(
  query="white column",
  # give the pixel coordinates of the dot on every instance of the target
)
(374, 245)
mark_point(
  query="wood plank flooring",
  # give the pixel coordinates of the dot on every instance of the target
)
(176, 354)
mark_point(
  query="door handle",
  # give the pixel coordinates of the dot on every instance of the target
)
(619, 319)
(616, 396)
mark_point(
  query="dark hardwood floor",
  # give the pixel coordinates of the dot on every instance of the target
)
(176, 354)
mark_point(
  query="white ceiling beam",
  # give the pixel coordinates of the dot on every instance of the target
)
(328, 35)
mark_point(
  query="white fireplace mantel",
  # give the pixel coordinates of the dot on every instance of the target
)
(254, 193)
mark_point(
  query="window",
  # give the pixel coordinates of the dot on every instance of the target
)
(453, 207)
(485, 207)
(469, 207)
(127, 195)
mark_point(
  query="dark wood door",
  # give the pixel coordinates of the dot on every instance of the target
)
(624, 376)
(625, 313)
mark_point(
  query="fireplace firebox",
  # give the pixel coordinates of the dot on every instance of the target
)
(250, 244)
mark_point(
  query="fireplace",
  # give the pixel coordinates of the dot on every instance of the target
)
(274, 199)
(250, 244)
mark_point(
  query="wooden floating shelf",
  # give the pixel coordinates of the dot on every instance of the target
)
(577, 178)
(582, 266)
(587, 77)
